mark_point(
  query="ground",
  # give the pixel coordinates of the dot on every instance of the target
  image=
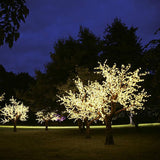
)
(68, 144)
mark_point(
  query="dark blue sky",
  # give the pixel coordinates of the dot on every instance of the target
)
(50, 20)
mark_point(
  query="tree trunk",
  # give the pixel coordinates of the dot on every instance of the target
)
(14, 122)
(88, 131)
(109, 136)
(131, 118)
(81, 126)
(46, 124)
(87, 128)
(135, 120)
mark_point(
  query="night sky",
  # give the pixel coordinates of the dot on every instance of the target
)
(50, 20)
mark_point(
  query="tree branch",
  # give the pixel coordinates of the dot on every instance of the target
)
(117, 112)
(105, 113)
(93, 120)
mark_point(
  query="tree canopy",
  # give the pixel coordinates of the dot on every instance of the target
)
(69, 56)
(151, 60)
(121, 45)
(12, 13)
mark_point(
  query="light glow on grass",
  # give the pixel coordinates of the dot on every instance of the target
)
(76, 127)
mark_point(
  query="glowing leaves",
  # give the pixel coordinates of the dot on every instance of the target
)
(82, 104)
(43, 116)
(120, 86)
(14, 111)
(123, 84)
(2, 97)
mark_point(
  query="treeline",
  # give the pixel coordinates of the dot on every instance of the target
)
(12, 84)
(78, 56)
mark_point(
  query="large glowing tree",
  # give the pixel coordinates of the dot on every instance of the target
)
(14, 111)
(123, 92)
(45, 117)
(120, 91)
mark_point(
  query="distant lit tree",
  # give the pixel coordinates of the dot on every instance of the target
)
(45, 117)
(14, 111)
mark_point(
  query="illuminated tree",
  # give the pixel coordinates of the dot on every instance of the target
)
(120, 91)
(121, 87)
(82, 105)
(14, 111)
(43, 116)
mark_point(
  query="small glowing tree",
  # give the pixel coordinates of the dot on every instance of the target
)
(14, 111)
(121, 87)
(45, 117)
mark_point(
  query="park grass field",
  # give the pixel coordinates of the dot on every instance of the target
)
(69, 144)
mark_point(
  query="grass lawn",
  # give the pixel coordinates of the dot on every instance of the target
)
(68, 144)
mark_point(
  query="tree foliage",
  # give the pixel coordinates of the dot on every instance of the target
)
(43, 116)
(14, 111)
(12, 13)
(14, 84)
(151, 59)
(121, 45)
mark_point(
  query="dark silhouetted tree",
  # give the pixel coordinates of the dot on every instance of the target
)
(14, 84)
(68, 54)
(7, 83)
(12, 13)
(38, 95)
(89, 48)
(152, 63)
(121, 45)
